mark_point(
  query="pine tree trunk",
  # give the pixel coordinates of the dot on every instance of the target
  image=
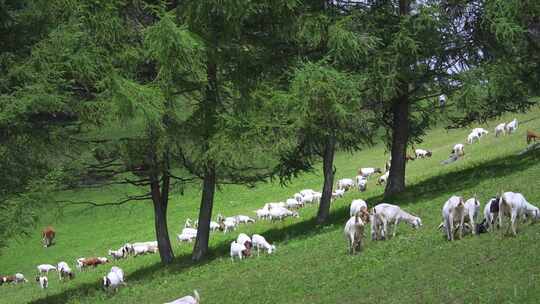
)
(400, 130)
(200, 250)
(328, 171)
(160, 218)
(400, 137)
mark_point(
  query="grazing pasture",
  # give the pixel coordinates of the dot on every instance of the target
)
(311, 264)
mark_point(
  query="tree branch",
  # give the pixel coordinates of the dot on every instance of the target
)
(121, 202)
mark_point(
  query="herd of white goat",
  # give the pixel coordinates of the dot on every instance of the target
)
(459, 217)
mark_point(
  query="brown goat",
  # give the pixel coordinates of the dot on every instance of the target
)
(47, 236)
(531, 135)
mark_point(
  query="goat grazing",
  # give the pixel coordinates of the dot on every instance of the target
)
(356, 206)
(500, 129)
(345, 184)
(43, 281)
(354, 233)
(453, 210)
(421, 153)
(195, 299)
(512, 126)
(259, 242)
(114, 279)
(64, 271)
(361, 181)
(393, 215)
(47, 236)
(366, 172)
(531, 135)
(237, 250)
(515, 206)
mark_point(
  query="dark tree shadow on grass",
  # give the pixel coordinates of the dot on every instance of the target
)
(433, 187)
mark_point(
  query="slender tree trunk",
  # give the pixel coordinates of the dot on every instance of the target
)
(160, 200)
(400, 137)
(400, 129)
(200, 250)
(328, 171)
(211, 101)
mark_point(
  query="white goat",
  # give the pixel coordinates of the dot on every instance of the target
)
(345, 184)
(306, 192)
(229, 224)
(244, 219)
(354, 233)
(262, 213)
(113, 279)
(361, 181)
(459, 149)
(383, 178)
(236, 250)
(472, 137)
(118, 272)
(293, 203)
(316, 197)
(366, 172)
(195, 299)
(512, 126)
(187, 235)
(393, 215)
(480, 131)
(45, 268)
(500, 129)
(279, 213)
(356, 206)
(214, 226)
(515, 206)
(309, 198)
(117, 254)
(421, 153)
(472, 207)
(43, 281)
(260, 242)
(453, 211)
(64, 271)
(338, 193)
(491, 213)
(141, 249)
(275, 205)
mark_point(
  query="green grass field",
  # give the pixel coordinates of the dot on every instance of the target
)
(311, 264)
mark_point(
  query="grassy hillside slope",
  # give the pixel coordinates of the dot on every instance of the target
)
(311, 264)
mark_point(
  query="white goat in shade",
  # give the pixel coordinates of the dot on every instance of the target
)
(237, 250)
(383, 178)
(361, 181)
(356, 206)
(354, 233)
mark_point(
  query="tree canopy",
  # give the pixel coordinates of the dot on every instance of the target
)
(160, 93)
